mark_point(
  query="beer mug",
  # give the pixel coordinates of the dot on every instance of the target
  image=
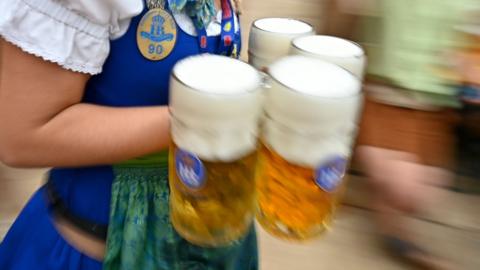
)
(341, 52)
(310, 121)
(215, 107)
(270, 39)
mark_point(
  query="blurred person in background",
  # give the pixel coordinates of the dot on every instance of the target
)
(467, 60)
(407, 139)
(84, 89)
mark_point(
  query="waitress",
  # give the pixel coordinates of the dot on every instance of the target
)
(84, 89)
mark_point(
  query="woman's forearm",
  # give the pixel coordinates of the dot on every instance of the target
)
(85, 134)
(44, 124)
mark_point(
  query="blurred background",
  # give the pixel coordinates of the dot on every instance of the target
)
(414, 184)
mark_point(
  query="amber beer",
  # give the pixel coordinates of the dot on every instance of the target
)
(270, 39)
(215, 108)
(309, 125)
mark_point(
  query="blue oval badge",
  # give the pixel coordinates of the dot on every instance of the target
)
(189, 169)
(329, 176)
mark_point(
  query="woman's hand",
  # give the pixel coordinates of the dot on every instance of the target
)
(43, 123)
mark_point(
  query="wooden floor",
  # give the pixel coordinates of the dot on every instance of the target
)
(451, 229)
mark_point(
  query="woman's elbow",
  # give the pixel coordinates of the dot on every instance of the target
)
(12, 152)
(9, 157)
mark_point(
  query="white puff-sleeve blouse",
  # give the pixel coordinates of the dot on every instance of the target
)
(75, 34)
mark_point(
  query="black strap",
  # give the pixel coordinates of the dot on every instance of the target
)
(60, 209)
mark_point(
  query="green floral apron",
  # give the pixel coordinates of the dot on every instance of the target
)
(140, 235)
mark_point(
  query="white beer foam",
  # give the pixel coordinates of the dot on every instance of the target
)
(283, 25)
(270, 39)
(216, 75)
(216, 144)
(340, 52)
(314, 77)
(312, 109)
(310, 149)
(215, 103)
(329, 46)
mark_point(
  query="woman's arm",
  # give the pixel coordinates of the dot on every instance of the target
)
(43, 123)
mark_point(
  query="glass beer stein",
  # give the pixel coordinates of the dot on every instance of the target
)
(270, 39)
(215, 107)
(341, 52)
(308, 130)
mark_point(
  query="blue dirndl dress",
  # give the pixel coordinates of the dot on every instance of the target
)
(137, 240)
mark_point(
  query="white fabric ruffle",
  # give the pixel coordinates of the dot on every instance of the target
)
(67, 32)
(76, 34)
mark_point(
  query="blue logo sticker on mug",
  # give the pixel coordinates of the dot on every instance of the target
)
(190, 169)
(329, 175)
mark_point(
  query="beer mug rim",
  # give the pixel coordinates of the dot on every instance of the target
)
(253, 89)
(255, 26)
(298, 47)
(291, 89)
